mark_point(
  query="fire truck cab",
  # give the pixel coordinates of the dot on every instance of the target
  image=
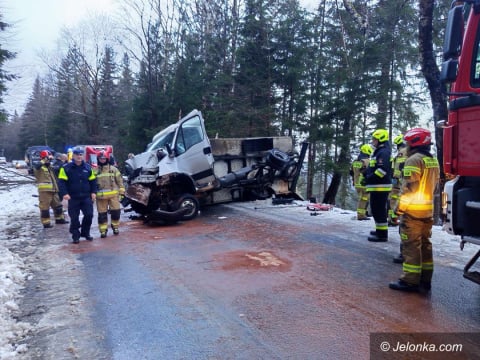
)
(461, 132)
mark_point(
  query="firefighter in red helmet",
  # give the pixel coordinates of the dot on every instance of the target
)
(110, 189)
(415, 207)
(48, 190)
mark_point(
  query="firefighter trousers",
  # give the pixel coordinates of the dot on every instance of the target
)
(415, 235)
(47, 200)
(362, 202)
(105, 205)
(378, 205)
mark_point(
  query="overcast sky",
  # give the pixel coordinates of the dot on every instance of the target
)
(36, 30)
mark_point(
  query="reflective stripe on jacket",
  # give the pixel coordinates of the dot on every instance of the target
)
(45, 177)
(378, 174)
(109, 181)
(420, 177)
(78, 181)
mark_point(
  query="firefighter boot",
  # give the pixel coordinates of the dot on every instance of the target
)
(379, 236)
(61, 221)
(115, 230)
(103, 234)
(403, 286)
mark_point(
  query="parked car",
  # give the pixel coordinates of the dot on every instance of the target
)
(19, 164)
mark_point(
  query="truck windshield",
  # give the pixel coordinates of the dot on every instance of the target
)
(163, 137)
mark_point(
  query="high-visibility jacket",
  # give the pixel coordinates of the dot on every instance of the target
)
(397, 165)
(358, 169)
(45, 177)
(378, 176)
(78, 181)
(109, 182)
(421, 173)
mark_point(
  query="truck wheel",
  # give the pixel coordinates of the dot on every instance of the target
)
(190, 201)
(278, 159)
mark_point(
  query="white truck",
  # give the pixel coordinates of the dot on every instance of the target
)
(182, 169)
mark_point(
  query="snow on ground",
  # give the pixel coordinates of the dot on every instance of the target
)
(18, 203)
(14, 200)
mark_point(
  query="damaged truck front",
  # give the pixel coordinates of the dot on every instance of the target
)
(182, 169)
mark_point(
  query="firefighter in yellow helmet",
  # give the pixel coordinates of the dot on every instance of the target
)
(357, 171)
(421, 173)
(397, 167)
(48, 190)
(109, 190)
(378, 183)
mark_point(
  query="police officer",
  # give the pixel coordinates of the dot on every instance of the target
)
(110, 188)
(357, 172)
(415, 208)
(378, 183)
(78, 185)
(48, 190)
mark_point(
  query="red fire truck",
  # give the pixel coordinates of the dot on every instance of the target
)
(92, 152)
(461, 69)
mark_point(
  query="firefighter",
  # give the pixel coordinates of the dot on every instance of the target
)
(415, 208)
(48, 190)
(78, 186)
(378, 184)
(110, 190)
(357, 172)
(397, 166)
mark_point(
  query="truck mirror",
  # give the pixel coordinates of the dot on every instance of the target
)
(453, 33)
(448, 72)
(169, 149)
(441, 124)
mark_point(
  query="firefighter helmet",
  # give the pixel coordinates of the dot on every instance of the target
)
(103, 155)
(398, 140)
(381, 135)
(366, 149)
(45, 154)
(418, 137)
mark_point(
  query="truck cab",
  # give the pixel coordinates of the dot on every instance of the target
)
(461, 132)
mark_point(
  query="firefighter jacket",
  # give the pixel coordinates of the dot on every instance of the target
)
(378, 174)
(397, 166)
(357, 170)
(78, 181)
(45, 177)
(109, 182)
(420, 177)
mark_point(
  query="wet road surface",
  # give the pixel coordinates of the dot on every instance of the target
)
(240, 283)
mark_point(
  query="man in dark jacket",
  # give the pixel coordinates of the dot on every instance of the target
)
(378, 182)
(78, 185)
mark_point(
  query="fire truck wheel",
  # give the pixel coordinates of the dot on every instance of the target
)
(188, 201)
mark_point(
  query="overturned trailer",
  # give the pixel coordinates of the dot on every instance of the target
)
(182, 170)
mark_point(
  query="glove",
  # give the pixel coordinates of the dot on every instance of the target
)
(398, 212)
(121, 197)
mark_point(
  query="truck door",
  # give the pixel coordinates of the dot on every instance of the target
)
(193, 152)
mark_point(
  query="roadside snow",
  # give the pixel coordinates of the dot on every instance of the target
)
(13, 274)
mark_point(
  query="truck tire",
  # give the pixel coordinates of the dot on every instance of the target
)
(277, 159)
(188, 200)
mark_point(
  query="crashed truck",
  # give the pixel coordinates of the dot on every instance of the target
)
(182, 170)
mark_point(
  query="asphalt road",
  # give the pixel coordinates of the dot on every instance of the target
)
(237, 283)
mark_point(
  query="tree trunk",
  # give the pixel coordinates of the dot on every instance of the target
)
(432, 76)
